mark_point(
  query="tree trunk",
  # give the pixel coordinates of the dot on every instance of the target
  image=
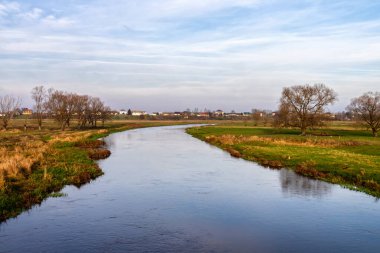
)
(374, 132)
(303, 131)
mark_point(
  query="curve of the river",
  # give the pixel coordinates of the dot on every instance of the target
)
(164, 191)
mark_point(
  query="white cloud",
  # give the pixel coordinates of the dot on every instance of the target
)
(54, 22)
(34, 14)
(9, 7)
(191, 8)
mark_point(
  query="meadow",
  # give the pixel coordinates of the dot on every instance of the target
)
(341, 153)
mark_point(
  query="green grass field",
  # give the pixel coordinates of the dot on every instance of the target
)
(339, 153)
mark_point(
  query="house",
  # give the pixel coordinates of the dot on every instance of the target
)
(114, 113)
(203, 114)
(232, 114)
(123, 112)
(26, 111)
(219, 113)
(138, 113)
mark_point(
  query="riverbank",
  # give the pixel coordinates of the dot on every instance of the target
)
(38, 164)
(349, 157)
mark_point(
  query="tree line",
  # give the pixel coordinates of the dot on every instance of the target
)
(302, 106)
(64, 107)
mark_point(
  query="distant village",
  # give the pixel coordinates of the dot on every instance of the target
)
(254, 114)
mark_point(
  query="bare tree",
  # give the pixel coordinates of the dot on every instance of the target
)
(39, 96)
(8, 107)
(64, 107)
(82, 110)
(71, 102)
(96, 108)
(105, 114)
(367, 109)
(304, 105)
(57, 104)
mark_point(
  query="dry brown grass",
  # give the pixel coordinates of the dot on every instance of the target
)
(75, 136)
(17, 160)
(19, 152)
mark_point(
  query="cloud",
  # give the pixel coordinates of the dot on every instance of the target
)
(21, 16)
(229, 51)
(7, 8)
(34, 14)
(54, 22)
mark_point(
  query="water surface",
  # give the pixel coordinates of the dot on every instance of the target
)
(164, 191)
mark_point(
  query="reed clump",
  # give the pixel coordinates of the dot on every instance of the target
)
(97, 154)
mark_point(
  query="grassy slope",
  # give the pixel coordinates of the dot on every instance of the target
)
(66, 163)
(346, 156)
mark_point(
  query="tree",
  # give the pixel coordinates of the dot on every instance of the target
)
(96, 108)
(8, 107)
(65, 107)
(105, 114)
(58, 106)
(39, 96)
(82, 110)
(367, 109)
(304, 105)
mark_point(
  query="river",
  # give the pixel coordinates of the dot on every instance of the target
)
(165, 191)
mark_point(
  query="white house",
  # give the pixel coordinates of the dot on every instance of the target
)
(138, 113)
(123, 112)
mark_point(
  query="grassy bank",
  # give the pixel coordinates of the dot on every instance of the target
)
(344, 155)
(37, 164)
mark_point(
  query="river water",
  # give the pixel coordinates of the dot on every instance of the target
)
(165, 191)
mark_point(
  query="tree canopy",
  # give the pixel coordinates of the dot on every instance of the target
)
(367, 109)
(304, 106)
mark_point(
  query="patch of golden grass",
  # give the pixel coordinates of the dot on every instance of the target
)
(11, 131)
(76, 136)
(18, 152)
(17, 160)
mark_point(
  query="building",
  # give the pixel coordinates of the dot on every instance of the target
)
(203, 114)
(114, 113)
(26, 111)
(219, 113)
(138, 113)
(123, 112)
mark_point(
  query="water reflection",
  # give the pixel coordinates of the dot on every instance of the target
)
(291, 184)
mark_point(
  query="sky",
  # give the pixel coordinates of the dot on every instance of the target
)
(170, 55)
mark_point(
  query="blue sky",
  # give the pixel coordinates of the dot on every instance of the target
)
(177, 54)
